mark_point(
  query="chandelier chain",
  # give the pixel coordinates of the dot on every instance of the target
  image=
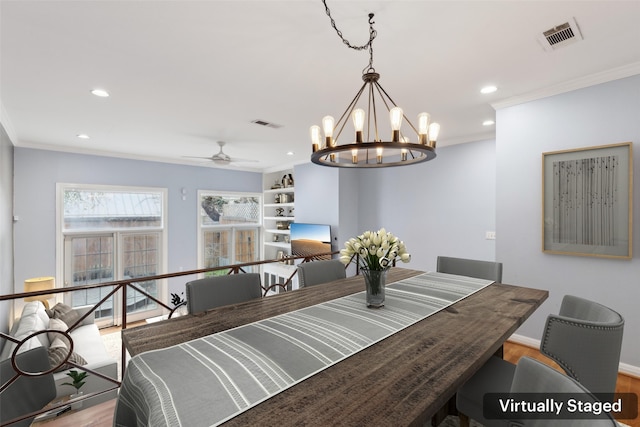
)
(372, 35)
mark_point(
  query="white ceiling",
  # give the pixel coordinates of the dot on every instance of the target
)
(184, 74)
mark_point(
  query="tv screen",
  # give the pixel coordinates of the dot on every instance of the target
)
(310, 239)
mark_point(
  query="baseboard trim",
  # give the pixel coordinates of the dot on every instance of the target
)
(624, 368)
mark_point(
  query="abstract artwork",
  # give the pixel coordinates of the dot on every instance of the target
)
(587, 208)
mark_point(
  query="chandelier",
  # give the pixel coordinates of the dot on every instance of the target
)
(368, 149)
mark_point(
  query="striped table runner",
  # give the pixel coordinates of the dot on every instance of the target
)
(212, 379)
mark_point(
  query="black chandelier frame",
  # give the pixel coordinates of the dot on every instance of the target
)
(374, 152)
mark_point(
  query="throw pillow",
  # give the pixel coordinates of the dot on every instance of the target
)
(57, 325)
(57, 355)
(56, 343)
(63, 312)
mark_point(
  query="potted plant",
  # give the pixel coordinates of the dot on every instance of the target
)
(179, 306)
(78, 381)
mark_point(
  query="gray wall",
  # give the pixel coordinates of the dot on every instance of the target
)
(603, 114)
(38, 171)
(6, 226)
(349, 202)
(329, 196)
(317, 190)
(442, 207)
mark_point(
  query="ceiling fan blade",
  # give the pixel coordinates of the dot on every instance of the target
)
(221, 158)
(222, 162)
(234, 159)
(197, 157)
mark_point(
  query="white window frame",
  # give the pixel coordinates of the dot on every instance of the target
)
(231, 227)
(163, 293)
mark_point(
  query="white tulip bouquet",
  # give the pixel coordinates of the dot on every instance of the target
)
(377, 250)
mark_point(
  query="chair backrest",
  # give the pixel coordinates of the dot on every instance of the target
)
(216, 291)
(532, 376)
(488, 270)
(585, 339)
(317, 272)
(27, 394)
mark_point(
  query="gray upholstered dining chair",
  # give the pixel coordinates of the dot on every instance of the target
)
(28, 393)
(585, 339)
(205, 294)
(532, 376)
(488, 270)
(317, 272)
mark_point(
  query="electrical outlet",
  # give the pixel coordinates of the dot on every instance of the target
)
(490, 235)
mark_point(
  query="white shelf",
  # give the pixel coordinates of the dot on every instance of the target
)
(277, 231)
(277, 205)
(280, 218)
(282, 245)
(280, 190)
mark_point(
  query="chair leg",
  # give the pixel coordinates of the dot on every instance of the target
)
(464, 420)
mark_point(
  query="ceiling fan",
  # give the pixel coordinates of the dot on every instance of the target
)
(221, 158)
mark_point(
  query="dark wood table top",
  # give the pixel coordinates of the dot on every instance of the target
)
(403, 380)
(170, 332)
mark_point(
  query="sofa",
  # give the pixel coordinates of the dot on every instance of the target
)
(88, 347)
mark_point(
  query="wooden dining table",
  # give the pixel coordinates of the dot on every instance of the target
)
(405, 379)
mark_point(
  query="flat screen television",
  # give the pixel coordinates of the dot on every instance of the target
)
(310, 239)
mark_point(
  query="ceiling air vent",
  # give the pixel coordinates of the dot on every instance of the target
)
(266, 124)
(560, 35)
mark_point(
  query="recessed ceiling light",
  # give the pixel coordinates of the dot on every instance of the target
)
(488, 89)
(290, 153)
(83, 136)
(100, 92)
(488, 123)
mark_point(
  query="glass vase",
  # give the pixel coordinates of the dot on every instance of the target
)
(375, 282)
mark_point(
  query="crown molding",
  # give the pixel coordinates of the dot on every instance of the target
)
(6, 124)
(476, 137)
(571, 85)
(129, 156)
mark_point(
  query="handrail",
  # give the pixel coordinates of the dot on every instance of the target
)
(235, 269)
(122, 286)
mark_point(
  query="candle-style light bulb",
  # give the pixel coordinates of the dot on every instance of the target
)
(354, 156)
(434, 131)
(358, 116)
(379, 154)
(314, 131)
(327, 126)
(403, 151)
(423, 127)
(395, 116)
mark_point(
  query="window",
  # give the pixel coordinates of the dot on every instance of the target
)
(229, 229)
(113, 233)
(93, 208)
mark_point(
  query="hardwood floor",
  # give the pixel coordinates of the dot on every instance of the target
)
(102, 415)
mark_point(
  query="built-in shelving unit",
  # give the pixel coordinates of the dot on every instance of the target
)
(277, 217)
(278, 204)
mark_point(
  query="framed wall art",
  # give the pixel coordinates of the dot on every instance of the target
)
(587, 201)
